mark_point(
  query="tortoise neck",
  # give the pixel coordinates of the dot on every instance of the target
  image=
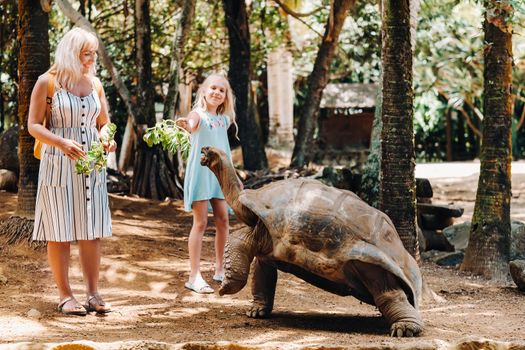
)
(231, 188)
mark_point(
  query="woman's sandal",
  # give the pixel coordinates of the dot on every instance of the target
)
(95, 303)
(77, 310)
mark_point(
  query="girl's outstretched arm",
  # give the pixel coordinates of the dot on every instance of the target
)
(190, 123)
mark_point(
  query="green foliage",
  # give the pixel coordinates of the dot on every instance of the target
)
(429, 127)
(96, 158)
(171, 137)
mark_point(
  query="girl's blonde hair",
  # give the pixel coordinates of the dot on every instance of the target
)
(67, 66)
(227, 108)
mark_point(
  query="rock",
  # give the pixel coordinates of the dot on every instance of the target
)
(443, 258)
(9, 149)
(8, 180)
(3, 279)
(517, 271)
(451, 259)
(458, 236)
(34, 313)
(341, 177)
(517, 242)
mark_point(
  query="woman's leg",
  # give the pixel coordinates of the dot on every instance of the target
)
(89, 252)
(222, 224)
(58, 257)
(200, 220)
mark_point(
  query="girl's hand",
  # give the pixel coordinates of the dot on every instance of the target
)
(110, 146)
(71, 149)
(183, 123)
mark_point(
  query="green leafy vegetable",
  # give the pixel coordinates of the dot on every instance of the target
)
(96, 158)
(170, 136)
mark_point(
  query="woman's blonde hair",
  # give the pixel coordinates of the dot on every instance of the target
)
(227, 108)
(67, 66)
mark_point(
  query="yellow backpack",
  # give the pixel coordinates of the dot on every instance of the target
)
(37, 150)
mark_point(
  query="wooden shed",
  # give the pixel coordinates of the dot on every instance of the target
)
(345, 120)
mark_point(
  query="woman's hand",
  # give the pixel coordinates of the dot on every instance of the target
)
(110, 146)
(71, 149)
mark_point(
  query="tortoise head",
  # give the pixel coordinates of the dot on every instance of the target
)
(212, 157)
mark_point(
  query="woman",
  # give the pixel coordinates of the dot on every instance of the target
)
(71, 207)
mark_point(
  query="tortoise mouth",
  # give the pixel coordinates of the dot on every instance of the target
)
(205, 159)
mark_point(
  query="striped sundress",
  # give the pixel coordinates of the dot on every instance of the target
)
(71, 207)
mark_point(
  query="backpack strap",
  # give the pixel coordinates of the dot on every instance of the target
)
(49, 98)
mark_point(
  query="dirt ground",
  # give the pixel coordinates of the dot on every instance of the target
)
(145, 265)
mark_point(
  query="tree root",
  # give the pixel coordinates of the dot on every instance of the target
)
(17, 229)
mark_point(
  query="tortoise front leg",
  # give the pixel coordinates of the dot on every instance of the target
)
(390, 299)
(263, 289)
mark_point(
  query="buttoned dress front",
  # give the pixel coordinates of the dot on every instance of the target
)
(69, 206)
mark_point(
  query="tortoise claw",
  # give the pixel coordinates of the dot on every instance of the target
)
(405, 329)
(257, 312)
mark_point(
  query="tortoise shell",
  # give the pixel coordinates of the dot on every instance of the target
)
(330, 223)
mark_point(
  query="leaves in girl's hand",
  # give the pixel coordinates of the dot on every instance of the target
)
(96, 158)
(170, 136)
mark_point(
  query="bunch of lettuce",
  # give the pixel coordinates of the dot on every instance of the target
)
(96, 158)
(170, 136)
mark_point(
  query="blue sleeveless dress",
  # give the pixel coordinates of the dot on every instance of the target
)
(199, 182)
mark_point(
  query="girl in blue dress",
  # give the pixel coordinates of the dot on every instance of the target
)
(208, 122)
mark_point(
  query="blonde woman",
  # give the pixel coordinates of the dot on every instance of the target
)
(71, 207)
(208, 122)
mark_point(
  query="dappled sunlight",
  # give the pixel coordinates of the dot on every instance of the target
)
(16, 326)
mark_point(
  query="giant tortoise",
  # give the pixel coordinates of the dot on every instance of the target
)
(323, 235)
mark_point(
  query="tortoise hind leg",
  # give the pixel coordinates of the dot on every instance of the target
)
(390, 299)
(263, 289)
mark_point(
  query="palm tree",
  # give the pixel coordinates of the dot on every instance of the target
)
(33, 60)
(397, 197)
(489, 243)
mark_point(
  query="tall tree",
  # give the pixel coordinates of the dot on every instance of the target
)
(489, 243)
(370, 181)
(239, 74)
(317, 81)
(397, 197)
(153, 173)
(33, 60)
(177, 55)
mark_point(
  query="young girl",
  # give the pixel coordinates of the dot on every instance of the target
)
(71, 207)
(208, 123)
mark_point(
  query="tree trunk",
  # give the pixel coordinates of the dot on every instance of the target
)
(317, 81)
(239, 72)
(397, 195)
(153, 173)
(488, 249)
(126, 148)
(177, 54)
(33, 60)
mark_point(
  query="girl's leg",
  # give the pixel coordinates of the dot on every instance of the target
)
(89, 251)
(200, 220)
(58, 257)
(222, 224)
